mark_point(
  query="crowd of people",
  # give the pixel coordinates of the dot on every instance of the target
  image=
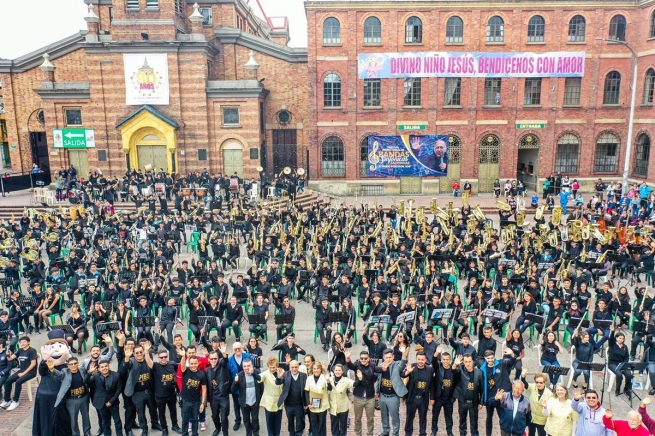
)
(446, 303)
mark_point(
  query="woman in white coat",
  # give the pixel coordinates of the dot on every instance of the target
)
(317, 389)
(339, 402)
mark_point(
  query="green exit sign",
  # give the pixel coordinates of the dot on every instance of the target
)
(412, 127)
(74, 138)
(530, 126)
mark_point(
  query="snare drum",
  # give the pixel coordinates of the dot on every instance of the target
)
(201, 192)
(186, 191)
(134, 190)
(160, 188)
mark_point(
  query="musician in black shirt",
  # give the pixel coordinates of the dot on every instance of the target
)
(323, 324)
(444, 389)
(164, 372)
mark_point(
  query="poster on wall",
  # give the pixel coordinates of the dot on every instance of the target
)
(470, 64)
(407, 155)
(146, 79)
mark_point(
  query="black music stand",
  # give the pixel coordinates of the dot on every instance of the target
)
(212, 321)
(144, 321)
(333, 298)
(442, 314)
(65, 327)
(640, 326)
(468, 314)
(555, 370)
(603, 324)
(537, 320)
(284, 318)
(338, 317)
(256, 319)
(583, 323)
(631, 366)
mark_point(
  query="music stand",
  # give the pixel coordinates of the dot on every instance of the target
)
(640, 326)
(442, 314)
(338, 317)
(333, 298)
(7, 334)
(108, 327)
(468, 314)
(583, 323)
(212, 321)
(256, 319)
(631, 366)
(144, 321)
(603, 324)
(556, 370)
(65, 327)
(284, 318)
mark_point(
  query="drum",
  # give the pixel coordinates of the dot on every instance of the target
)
(147, 192)
(160, 188)
(201, 192)
(186, 191)
(134, 190)
(234, 184)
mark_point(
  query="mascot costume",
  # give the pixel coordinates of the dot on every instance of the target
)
(47, 421)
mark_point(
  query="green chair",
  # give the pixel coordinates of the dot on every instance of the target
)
(58, 312)
(193, 242)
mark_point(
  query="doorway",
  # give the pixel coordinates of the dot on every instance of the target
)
(454, 167)
(528, 161)
(80, 160)
(285, 149)
(154, 155)
(233, 159)
(488, 163)
(39, 146)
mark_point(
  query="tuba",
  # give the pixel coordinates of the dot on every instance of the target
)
(556, 217)
(478, 214)
(466, 198)
(539, 214)
(520, 218)
(503, 206)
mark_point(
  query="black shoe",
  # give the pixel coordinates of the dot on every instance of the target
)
(144, 433)
(30, 329)
(129, 433)
(215, 432)
(164, 432)
(156, 427)
(617, 393)
(99, 432)
(176, 429)
(236, 426)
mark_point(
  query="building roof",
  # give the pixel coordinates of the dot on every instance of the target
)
(165, 118)
(34, 59)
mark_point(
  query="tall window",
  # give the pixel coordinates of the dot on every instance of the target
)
(532, 94)
(363, 157)
(372, 31)
(567, 154)
(371, 92)
(331, 31)
(332, 91)
(642, 155)
(413, 30)
(413, 92)
(577, 29)
(453, 92)
(612, 88)
(572, 86)
(607, 148)
(617, 28)
(492, 91)
(652, 25)
(649, 85)
(333, 163)
(179, 8)
(495, 29)
(536, 29)
(455, 30)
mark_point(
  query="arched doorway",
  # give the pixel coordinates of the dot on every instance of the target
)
(528, 161)
(151, 152)
(454, 167)
(233, 158)
(488, 162)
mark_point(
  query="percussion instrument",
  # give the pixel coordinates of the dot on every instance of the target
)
(134, 190)
(160, 188)
(234, 184)
(287, 170)
(260, 169)
(201, 192)
(186, 191)
(301, 171)
(146, 191)
(148, 167)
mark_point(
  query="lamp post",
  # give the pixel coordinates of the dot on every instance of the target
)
(628, 149)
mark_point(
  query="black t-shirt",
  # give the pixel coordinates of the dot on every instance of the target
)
(25, 357)
(192, 383)
(386, 386)
(144, 380)
(77, 389)
(516, 347)
(447, 384)
(164, 378)
(549, 352)
(491, 381)
(423, 377)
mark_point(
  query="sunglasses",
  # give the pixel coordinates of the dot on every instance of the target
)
(72, 364)
(163, 357)
(592, 398)
(138, 353)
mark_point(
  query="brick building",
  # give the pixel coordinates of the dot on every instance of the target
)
(497, 128)
(193, 97)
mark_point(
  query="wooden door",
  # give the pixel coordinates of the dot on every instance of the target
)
(80, 160)
(154, 155)
(454, 167)
(488, 163)
(232, 162)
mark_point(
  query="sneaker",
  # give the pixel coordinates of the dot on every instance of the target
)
(4, 404)
(13, 405)
(203, 426)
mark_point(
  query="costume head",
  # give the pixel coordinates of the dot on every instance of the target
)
(56, 348)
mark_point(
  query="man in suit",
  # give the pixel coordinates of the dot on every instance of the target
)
(390, 389)
(437, 160)
(420, 389)
(444, 388)
(250, 393)
(218, 387)
(105, 387)
(138, 386)
(293, 397)
(234, 365)
(468, 391)
(74, 394)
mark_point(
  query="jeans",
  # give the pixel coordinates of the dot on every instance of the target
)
(592, 331)
(578, 372)
(390, 405)
(273, 422)
(296, 420)
(190, 413)
(18, 384)
(553, 377)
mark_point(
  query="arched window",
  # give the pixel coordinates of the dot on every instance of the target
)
(577, 29)
(372, 31)
(331, 31)
(607, 153)
(649, 86)
(333, 163)
(612, 88)
(495, 29)
(332, 91)
(642, 155)
(652, 25)
(413, 30)
(617, 28)
(455, 30)
(536, 29)
(568, 146)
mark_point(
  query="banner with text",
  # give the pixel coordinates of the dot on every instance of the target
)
(146, 78)
(470, 64)
(407, 155)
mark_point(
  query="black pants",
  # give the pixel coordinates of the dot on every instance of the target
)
(447, 406)
(338, 424)
(419, 405)
(620, 374)
(130, 412)
(141, 401)
(296, 420)
(237, 408)
(17, 383)
(322, 329)
(318, 423)
(251, 419)
(491, 408)
(220, 412)
(171, 403)
(536, 429)
(108, 414)
(470, 409)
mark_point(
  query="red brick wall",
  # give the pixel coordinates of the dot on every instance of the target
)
(434, 20)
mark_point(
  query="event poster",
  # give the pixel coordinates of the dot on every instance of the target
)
(470, 64)
(407, 155)
(146, 79)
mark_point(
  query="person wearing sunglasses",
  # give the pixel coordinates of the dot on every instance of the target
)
(163, 373)
(537, 392)
(138, 385)
(590, 411)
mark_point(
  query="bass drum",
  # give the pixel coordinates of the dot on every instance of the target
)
(73, 200)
